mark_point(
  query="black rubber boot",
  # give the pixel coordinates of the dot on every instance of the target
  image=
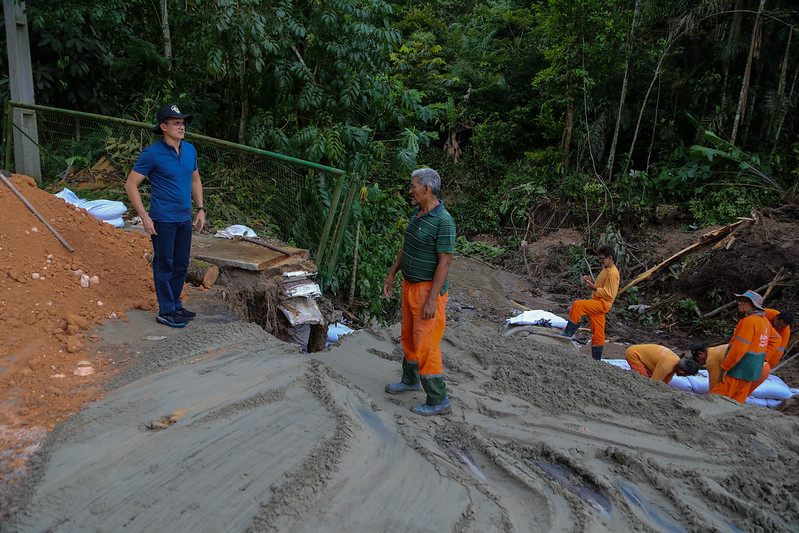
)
(571, 329)
(596, 352)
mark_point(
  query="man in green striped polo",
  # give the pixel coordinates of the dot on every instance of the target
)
(424, 259)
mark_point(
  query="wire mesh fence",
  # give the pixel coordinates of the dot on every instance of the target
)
(241, 184)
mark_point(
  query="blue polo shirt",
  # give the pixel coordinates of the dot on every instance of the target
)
(169, 172)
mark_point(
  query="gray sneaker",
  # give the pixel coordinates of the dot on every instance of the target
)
(396, 388)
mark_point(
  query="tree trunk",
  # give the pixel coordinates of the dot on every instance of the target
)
(654, 128)
(566, 140)
(623, 95)
(754, 51)
(781, 108)
(202, 273)
(568, 128)
(732, 35)
(165, 34)
(782, 118)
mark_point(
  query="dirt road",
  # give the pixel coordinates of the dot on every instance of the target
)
(220, 427)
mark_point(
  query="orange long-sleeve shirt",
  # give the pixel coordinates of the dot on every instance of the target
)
(773, 353)
(659, 360)
(715, 355)
(607, 285)
(785, 336)
(749, 341)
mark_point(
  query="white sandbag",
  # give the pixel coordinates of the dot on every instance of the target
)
(763, 402)
(772, 389)
(70, 197)
(99, 209)
(532, 318)
(621, 363)
(116, 222)
(700, 383)
(682, 383)
(105, 209)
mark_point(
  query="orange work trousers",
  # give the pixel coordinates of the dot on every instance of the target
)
(637, 365)
(596, 310)
(763, 377)
(737, 389)
(421, 339)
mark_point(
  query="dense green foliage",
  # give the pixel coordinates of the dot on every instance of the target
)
(611, 107)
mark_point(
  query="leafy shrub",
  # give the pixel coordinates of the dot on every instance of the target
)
(383, 217)
(724, 205)
(469, 249)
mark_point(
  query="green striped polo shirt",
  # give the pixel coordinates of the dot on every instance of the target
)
(425, 237)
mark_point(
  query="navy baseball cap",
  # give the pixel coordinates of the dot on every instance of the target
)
(170, 111)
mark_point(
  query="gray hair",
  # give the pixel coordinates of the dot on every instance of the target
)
(429, 177)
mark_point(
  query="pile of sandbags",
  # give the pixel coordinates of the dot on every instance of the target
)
(770, 393)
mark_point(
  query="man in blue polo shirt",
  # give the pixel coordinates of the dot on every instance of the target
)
(171, 166)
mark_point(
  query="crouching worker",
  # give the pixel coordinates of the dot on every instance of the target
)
(659, 363)
(604, 293)
(424, 259)
(711, 357)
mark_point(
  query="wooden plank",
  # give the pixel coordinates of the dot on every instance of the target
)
(241, 254)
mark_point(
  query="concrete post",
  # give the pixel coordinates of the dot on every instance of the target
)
(20, 74)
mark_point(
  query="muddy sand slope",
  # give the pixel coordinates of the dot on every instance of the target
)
(220, 427)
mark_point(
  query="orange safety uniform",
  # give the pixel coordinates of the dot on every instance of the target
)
(652, 361)
(421, 339)
(773, 353)
(607, 286)
(785, 336)
(744, 360)
(715, 355)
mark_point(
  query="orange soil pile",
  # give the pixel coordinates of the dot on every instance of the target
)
(50, 297)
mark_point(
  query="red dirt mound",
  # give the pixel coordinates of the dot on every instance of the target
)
(45, 310)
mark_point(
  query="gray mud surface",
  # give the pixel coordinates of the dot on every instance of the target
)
(221, 427)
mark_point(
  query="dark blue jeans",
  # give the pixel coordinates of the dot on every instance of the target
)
(171, 250)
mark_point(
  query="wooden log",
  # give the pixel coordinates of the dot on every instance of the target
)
(704, 240)
(773, 283)
(732, 303)
(786, 361)
(202, 273)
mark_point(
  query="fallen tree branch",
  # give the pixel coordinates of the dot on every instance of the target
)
(791, 358)
(25, 201)
(734, 302)
(705, 239)
(773, 283)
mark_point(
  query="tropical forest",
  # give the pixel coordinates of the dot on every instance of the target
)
(592, 114)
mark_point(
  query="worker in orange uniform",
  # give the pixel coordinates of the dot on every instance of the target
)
(659, 363)
(604, 293)
(744, 361)
(710, 357)
(782, 323)
(779, 333)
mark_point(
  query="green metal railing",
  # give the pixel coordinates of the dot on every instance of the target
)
(102, 149)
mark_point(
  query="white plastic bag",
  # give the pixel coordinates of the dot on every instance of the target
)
(236, 229)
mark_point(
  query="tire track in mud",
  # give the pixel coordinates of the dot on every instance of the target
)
(293, 497)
